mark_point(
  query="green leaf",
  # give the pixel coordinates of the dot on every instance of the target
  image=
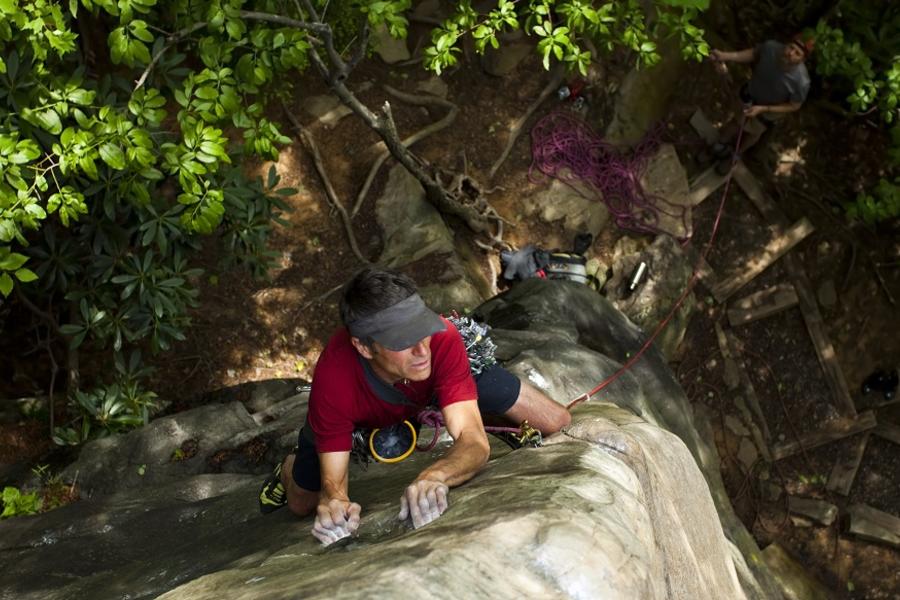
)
(13, 261)
(113, 156)
(49, 121)
(6, 284)
(26, 275)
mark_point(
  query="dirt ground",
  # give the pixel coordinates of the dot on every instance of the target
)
(248, 330)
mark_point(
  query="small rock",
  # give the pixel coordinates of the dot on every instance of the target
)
(732, 375)
(734, 424)
(772, 492)
(747, 453)
(326, 108)
(827, 294)
(434, 86)
(801, 521)
(389, 49)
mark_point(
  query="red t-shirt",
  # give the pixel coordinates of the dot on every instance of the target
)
(342, 400)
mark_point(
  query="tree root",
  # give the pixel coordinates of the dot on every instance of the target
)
(556, 79)
(416, 137)
(330, 194)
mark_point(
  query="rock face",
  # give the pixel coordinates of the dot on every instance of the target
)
(613, 507)
(413, 229)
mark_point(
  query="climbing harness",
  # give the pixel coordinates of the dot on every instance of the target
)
(396, 442)
(695, 276)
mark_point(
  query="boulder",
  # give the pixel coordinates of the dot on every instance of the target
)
(643, 98)
(622, 504)
(326, 108)
(390, 49)
(579, 209)
(412, 229)
(667, 274)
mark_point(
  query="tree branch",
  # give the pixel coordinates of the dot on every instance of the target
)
(170, 41)
(416, 137)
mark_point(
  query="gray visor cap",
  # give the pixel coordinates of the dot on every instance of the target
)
(399, 326)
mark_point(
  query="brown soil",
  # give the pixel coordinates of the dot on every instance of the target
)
(249, 330)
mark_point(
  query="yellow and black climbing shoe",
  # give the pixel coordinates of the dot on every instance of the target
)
(272, 495)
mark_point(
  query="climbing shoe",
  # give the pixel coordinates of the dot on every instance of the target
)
(272, 495)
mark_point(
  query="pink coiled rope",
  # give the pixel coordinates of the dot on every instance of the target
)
(565, 147)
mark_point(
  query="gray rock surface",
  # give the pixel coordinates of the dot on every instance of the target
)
(644, 96)
(327, 108)
(668, 272)
(413, 229)
(614, 507)
(579, 211)
(390, 50)
(665, 182)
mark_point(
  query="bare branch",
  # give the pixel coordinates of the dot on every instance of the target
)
(416, 137)
(170, 41)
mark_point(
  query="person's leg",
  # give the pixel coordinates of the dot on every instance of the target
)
(542, 413)
(300, 477)
(500, 393)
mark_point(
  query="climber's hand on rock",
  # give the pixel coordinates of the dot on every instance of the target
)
(423, 501)
(335, 520)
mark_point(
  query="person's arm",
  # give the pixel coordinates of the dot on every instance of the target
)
(425, 499)
(758, 109)
(336, 516)
(741, 56)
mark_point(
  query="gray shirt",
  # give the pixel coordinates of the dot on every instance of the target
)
(771, 82)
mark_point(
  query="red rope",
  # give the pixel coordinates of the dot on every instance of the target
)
(687, 290)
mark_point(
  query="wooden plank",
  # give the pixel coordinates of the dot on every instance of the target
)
(704, 127)
(794, 581)
(704, 185)
(888, 431)
(762, 304)
(843, 429)
(815, 325)
(819, 511)
(775, 249)
(844, 472)
(874, 525)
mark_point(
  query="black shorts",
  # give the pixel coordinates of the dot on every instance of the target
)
(498, 390)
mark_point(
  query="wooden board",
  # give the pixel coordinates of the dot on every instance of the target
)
(815, 325)
(888, 431)
(818, 510)
(844, 472)
(762, 304)
(704, 185)
(842, 429)
(775, 249)
(874, 525)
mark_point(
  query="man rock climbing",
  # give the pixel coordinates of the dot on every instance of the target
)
(393, 358)
(779, 85)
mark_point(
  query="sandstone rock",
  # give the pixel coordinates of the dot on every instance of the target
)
(327, 108)
(413, 229)
(665, 182)
(668, 272)
(390, 50)
(644, 96)
(615, 507)
(580, 211)
(434, 86)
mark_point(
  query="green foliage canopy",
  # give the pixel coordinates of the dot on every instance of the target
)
(122, 145)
